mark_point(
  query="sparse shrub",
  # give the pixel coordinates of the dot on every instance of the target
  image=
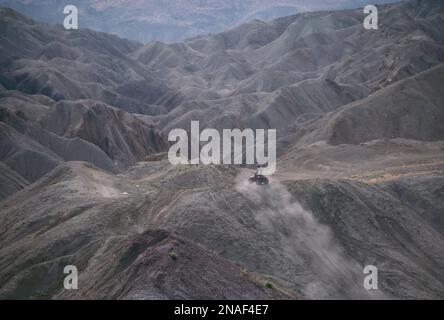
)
(173, 255)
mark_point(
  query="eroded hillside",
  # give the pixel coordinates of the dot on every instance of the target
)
(85, 179)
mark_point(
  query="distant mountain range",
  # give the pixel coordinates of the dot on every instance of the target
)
(84, 178)
(171, 21)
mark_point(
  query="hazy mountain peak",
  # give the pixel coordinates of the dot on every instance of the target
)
(172, 21)
(85, 180)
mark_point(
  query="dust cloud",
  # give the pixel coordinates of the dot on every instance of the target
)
(333, 273)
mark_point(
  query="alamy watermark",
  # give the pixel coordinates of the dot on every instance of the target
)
(71, 281)
(232, 147)
(71, 21)
(371, 280)
(371, 21)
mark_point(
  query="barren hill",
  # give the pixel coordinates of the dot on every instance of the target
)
(359, 181)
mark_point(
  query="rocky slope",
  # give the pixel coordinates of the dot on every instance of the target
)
(359, 181)
(411, 109)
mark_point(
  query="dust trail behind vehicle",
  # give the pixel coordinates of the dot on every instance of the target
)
(334, 274)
